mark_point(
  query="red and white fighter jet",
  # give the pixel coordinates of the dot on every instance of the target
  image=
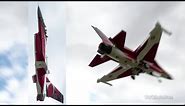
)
(131, 63)
(44, 86)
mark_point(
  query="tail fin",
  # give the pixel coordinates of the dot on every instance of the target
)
(104, 38)
(119, 40)
(53, 92)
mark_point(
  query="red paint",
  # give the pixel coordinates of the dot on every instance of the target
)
(40, 44)
(151, 53)
(140, 48)
(156, 67)
(98, 60)
(39, 48)
(117, 69)
(53, 92)
(125, 74)
(119, 40)
(50, 90)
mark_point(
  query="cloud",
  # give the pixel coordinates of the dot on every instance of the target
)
(13, 76)
(13, 24)
(72, 44)
(137, 19)
(13, 52)
(4, 62)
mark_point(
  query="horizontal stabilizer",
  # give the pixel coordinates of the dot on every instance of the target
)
(99, 60)
(53, 92)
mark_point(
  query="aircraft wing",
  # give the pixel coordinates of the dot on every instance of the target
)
(156, 70)
(118, 72)
(99, 60)
(148, 49)
(53, 92)
(119, 40)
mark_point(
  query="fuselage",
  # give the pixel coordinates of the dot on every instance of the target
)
(44, 87)
(128, 57)
(40, 60)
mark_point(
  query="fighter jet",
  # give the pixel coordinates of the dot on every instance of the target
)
(43, 84)
(131, 63)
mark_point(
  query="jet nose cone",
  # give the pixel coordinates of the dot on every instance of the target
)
(38, 8)
(39, 12)
(93, 27)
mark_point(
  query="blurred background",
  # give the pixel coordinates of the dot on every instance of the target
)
(13, 52)
(72, 44)
(137, 19)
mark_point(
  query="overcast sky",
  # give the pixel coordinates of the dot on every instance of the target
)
(13, 53)
(72, 44)
(137, 19)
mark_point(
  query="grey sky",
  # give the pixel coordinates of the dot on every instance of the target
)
(137, 19)
(13, 44)
(72, 44)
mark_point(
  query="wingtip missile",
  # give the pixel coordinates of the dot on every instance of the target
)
(107, 83)
(99, 80)
(165, 31)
